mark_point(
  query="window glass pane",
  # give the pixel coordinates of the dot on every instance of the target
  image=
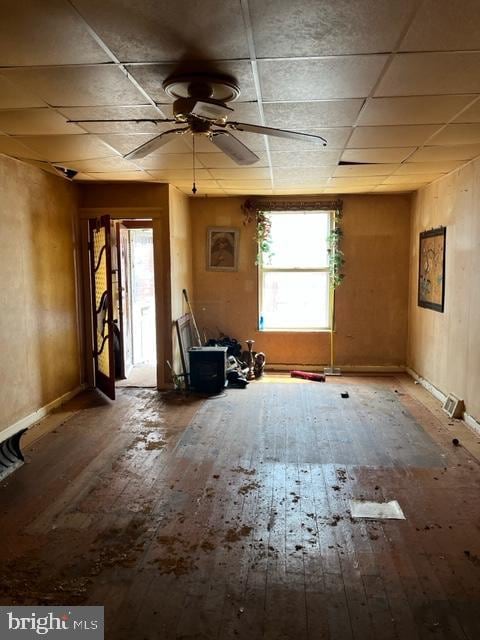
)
(295, 300)
(299, 240)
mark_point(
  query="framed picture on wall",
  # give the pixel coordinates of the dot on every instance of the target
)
(222, 248)
(431, 269)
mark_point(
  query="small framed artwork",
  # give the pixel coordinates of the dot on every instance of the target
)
(222, 248)
(431, 269)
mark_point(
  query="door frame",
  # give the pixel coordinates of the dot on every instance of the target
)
(161, 258)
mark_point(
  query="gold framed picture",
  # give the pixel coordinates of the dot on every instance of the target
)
(431, 269)
(222, 248)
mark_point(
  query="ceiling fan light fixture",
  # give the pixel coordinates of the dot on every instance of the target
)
(211, 111)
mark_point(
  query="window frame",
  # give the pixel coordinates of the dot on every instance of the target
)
(261, 269)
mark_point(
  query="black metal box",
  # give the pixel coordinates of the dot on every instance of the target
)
(208, 368)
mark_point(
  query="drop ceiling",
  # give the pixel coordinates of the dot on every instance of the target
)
(393, 85)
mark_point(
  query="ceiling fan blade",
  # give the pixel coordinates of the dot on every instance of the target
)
(233, 148)
(278, 133)
(157, 142)
(152, 120)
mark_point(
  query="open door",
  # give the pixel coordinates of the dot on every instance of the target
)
(124, 298)
(102, 305)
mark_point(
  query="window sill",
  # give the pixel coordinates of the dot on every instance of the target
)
(293, 331)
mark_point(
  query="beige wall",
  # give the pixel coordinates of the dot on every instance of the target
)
(181, 263)
(444, 347)
(371, 302)
(38, 320)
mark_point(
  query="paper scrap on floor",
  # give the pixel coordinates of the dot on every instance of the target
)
(378, 510)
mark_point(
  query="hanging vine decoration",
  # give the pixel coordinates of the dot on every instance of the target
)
(256, 210)
(336, 258)
(263, 228)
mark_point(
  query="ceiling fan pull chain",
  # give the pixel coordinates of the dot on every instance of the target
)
(194, 188)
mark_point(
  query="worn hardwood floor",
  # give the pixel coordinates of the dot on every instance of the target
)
(230, 518)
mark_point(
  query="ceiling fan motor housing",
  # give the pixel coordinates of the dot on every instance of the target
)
(202, 87)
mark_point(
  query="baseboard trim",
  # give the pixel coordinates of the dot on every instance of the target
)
(439, 395)
(39, 414)
(352, 368)
(471, 422)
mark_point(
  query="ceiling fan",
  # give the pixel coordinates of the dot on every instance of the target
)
(200, 103)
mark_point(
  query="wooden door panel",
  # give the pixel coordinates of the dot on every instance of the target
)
(101, 279)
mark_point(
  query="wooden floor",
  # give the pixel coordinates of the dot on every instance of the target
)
(230, 517)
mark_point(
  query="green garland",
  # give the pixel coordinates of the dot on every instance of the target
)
(263, 229)
(336, 258)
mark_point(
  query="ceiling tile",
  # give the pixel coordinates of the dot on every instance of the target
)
(442, 25)
(365, 170)
(389, 156)
(151, 76)
(431, 74)
(89, 85)
(116, 113)
(472, 114)
(323, 78)
(35, 121)
(135, 176)
(245, 112)
(293, 174)
(455, 134)
(418, 178)
(245, 184)
(395, 136)
(45, 166)
(453, 152)
(200, 183)
(33, 34)
(352, 181)
(124, 143)
(103, 165)
(305, 115)
(335, 137)
(353, 189)
(13, 97)
(427, 167)
(412, 110)
(84, 177)
(65, 148)
(139, 31)
(292, 29)
(168, 175)
(394, 188)
(16, 148)
(163, 161)
(241, 173)
(304, 158)
(302, 183)
(248, 192)
(220, 161)
(313, 190)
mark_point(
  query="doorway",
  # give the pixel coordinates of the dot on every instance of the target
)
(134, 305)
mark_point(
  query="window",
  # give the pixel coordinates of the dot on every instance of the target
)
(294, 281)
